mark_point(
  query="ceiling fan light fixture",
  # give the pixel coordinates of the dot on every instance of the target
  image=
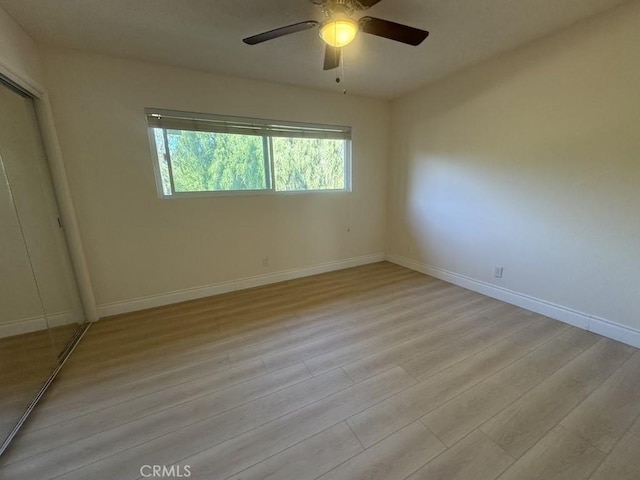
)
(339, 31)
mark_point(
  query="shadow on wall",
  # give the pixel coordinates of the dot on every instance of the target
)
(530, 161)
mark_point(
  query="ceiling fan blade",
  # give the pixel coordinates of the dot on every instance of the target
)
(332, 57)
(393, 31)
(364, 4)
(280, 32)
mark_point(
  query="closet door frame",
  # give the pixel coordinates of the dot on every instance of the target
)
(60, 185)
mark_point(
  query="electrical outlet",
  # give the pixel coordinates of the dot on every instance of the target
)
(497, 272)
(265, 262)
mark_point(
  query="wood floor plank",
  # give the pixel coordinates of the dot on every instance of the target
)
(349, 338)
(541, 330)
(559, 455)
(324, 292)
(68, 400)
(224, 385)
(348, 333)
(394, 458)
(170, 339)
(308, 459)
(624, 461)
(395, 355)
(521, 425)
(182, 382)
(256, 316)
(463, 414)
(379, 421)
(363, 309)
(154, 361)
(179, 444)
(213, 342)
(402, 306)
(187, 320)
(326, 311)
(83, 452)
(408, 329)
(252, 447)
(214, 395)
(605, 416)
(475, 457)
(432, 362)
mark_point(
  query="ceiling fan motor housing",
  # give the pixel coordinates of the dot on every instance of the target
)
(345, 7)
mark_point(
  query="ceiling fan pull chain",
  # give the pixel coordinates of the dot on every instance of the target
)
(344, 90)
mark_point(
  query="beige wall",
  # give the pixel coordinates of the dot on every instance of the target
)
(532, 162)
(138, 245)
(529, 161)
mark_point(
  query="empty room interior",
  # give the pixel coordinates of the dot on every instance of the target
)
(320, 239)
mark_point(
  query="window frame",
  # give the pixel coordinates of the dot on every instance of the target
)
(267, 149)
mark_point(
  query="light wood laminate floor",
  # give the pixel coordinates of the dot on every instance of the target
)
(375, 372)
(26, 361)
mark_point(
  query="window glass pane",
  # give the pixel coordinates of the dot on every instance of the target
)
(309, 164)
(162, 161)
(203, 153)
(210, 162)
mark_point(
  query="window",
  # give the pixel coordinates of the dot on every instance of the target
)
(199, 154)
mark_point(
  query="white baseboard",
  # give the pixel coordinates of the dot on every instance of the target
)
(33, 324)
(142, 303)
(25, 325)
(564, 314)
(615, 331)
(65, 318)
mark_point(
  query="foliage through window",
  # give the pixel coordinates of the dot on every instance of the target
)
(204, 154)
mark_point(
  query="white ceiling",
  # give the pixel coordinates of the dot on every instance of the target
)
(207, 34)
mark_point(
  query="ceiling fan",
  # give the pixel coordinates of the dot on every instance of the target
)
(339, 29)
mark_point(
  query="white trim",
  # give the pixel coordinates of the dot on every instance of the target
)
(33, 324)
(60, 182)
(142, 303)
(248, 193)
(618, 332)
(27, 83)
(260, 127)
(564, 314)
(65, 318)
(26, 325)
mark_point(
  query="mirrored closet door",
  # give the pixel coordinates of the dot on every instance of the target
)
(40, 310)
